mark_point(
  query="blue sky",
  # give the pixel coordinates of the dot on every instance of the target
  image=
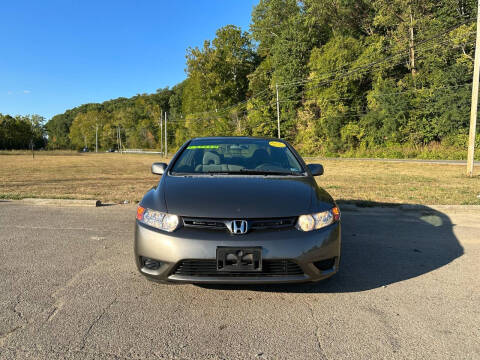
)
(56, 55)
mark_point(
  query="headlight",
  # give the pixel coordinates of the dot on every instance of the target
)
(318, 220)
(158, 219)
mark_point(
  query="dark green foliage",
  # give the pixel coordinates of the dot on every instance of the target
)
(22, 132)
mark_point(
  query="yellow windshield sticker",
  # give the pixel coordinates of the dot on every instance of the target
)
(192, 147)
(277, 144)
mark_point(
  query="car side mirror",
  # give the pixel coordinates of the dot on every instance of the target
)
(316, 169)
(158, 168)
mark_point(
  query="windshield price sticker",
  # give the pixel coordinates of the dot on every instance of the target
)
(203, 147)
(277, 144)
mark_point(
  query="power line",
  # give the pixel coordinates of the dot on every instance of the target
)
(344, 98)
(356, 113)
(380, 95)
(361, 71)
(226, 109)
(399, 53)
(366, 68)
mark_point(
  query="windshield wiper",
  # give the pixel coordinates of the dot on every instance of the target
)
(266, 172)
(240, 172)
(216, 172)
(252, 172)
(174, 173)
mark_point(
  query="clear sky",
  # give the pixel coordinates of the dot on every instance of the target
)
(57, 54)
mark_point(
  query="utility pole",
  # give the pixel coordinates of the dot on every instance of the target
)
(161, 132)
(96, 138)
(119, 138)
(412, 45)
(474, 110)
(278, 111)
(166, 142)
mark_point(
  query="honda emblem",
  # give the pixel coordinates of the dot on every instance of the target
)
(239, 227)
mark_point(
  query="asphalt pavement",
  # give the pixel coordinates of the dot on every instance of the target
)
(408, 288)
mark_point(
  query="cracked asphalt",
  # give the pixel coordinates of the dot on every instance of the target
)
(408, 288)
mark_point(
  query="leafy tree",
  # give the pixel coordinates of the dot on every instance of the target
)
(22, 132)
(285, 34)
(217, 79)
(82, 131)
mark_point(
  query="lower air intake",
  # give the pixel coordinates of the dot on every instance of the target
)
(208, 268)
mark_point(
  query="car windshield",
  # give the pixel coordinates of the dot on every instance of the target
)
(237, 156)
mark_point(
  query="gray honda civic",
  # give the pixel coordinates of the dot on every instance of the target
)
(237, 210)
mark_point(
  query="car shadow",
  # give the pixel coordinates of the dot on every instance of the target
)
(382, 244)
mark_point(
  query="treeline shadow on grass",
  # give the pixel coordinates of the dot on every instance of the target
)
(383, 244)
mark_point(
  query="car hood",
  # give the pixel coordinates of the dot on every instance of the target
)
(239, 196)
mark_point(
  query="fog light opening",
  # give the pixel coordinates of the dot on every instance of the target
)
(325, 265)
(151, 264)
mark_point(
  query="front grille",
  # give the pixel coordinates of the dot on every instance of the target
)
(208, 268)
(204, 223)
(254, 224)
(272, 223)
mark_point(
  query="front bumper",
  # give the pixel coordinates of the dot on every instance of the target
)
(302, 248)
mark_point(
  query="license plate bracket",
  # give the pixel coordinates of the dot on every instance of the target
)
(239, 259)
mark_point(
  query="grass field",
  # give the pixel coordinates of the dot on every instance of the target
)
(115, 178)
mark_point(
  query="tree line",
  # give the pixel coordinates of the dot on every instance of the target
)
(22, 132)
(350, 74)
